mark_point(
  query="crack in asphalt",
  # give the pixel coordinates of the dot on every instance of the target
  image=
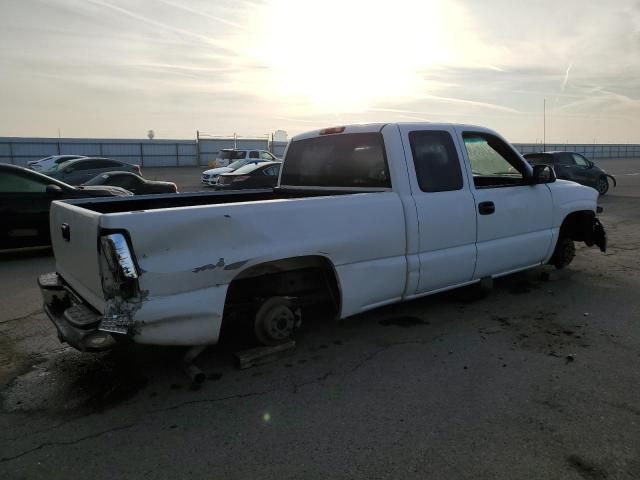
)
(296, 388)
(23, 317)
(215, 400)
(71, 442)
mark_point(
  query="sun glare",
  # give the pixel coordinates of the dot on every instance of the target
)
(343, 56)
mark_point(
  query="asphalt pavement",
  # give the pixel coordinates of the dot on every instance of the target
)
(541, 379)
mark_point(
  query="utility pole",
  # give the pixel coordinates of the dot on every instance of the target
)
(544, 124)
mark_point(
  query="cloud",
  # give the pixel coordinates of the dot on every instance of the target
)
(165, 26)
(201, 13)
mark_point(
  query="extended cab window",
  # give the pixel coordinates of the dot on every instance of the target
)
(352, 160)
(493, 162)
(436, 162)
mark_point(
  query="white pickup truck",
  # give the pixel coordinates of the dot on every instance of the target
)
(363, 216)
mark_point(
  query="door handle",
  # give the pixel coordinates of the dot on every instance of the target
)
(486, 208)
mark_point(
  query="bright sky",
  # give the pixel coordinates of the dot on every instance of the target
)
(116, 68)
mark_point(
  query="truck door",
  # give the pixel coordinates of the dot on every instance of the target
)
(514, 218)
(445, 208)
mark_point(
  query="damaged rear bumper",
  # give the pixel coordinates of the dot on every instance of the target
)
(76, 323)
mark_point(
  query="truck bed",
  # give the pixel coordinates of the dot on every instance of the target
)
(155, 202)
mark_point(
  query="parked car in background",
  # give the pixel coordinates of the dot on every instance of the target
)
(575, 167)
(229, 155)
(210, 177)
(48, 163)
(76, 172)
(132, 182)
(253, 175)
(25, 198)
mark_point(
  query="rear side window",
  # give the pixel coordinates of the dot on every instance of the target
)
(108, 164)
(86, 165)
(436, 161)
(353, 160)
(124, 181)
(231, 154)
(254, 155)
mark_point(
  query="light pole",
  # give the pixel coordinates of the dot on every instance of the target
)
(544, 124)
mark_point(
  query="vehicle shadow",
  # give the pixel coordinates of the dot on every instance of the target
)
(26, 253)
(70, 383)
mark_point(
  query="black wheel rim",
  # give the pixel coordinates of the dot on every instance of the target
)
(603, 185)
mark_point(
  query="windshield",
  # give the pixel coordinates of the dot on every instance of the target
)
(231, 154)
(237, 164)
(57, 166)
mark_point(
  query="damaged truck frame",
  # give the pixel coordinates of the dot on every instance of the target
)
(363, 216)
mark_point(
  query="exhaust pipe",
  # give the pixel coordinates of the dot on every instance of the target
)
(196, 375)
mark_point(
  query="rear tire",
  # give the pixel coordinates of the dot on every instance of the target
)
(602, 185)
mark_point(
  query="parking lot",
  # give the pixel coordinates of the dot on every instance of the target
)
(541, 379)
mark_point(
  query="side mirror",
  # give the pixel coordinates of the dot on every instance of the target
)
(53, 189)
(591, 164)
(542, 174)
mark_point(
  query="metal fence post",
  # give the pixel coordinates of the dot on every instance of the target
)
(198, 147)
(11, 153)
(177, 156)
(141, 155)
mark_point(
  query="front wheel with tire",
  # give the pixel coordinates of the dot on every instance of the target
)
(276, 321)
(602, 185)
(564, 253)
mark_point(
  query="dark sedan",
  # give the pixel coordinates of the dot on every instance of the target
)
(25, 198)
(575, 167)
(260, 175)
(132, 182)
(79, 171)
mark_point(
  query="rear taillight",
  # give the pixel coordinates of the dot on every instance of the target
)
(118, 256)
(175, 188)
(240, 178)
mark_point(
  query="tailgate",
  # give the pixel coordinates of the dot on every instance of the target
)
(74, 236)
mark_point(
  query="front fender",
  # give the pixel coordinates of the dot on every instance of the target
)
(570, 197)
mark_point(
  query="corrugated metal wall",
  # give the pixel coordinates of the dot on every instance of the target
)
(178, 153)
(148, 153)
(589, 150)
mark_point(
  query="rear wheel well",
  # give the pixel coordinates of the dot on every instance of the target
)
(308, 280)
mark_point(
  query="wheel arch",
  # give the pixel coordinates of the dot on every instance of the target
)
(293, 264)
